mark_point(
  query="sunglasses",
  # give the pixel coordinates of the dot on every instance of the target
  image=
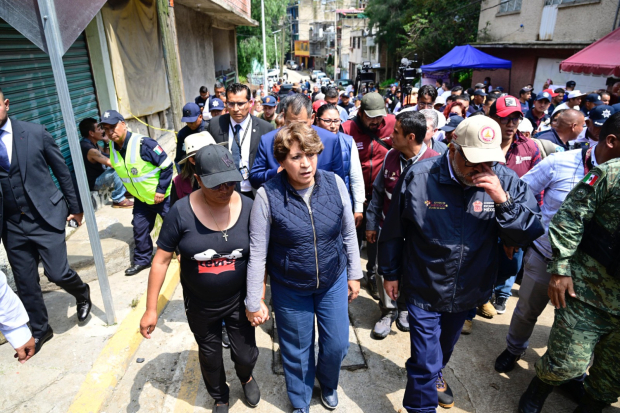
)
(226, 185)
(506, 121)
(233, 104)
(470, 164)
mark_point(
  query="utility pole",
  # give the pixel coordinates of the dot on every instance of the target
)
(284, 25)
(262, 10)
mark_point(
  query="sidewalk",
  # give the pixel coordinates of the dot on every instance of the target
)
(169, 379)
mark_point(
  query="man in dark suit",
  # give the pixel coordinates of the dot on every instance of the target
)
(241, 130)
(34, 216)
(296, 108)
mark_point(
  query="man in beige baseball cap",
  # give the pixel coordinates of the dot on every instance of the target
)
(439, 239)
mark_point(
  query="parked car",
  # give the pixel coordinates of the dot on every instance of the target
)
(313, 75)
(325, 81)
(343, 83)
(275, 74)
(291, 64)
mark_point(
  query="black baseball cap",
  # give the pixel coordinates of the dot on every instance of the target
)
(479, 92)
(111, 117)
(600, 114)
(594, 98)
(215, 166)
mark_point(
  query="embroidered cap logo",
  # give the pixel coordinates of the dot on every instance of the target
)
(227, 160)
(486, 134)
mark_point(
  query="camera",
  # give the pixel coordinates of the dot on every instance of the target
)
(365, 76)
(408, 73)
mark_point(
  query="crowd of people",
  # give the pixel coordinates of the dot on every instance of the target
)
(454, 194)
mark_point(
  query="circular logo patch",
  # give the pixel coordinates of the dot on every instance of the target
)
(134, 171)
(486, 134)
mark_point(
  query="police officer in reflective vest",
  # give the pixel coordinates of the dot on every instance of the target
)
(146, 172)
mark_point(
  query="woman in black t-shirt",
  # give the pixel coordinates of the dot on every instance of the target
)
(210, 227)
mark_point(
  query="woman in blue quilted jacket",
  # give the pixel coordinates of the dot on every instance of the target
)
(302, 233)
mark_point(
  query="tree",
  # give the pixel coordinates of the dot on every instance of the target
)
(250, 40)
(430, 28)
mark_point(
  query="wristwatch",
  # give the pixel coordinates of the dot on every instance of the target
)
(506, 205)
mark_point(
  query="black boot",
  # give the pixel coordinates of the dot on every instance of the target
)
(533, 399)
(589, 405)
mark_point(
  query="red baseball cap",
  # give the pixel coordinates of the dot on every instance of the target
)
(316, 105)
(504, 106)
(551, 92)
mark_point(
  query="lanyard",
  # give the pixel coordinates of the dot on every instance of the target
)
(236, 137)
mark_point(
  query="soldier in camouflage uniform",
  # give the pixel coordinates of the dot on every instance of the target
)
(585, 237)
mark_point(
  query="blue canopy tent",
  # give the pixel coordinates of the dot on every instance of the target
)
(467, 57)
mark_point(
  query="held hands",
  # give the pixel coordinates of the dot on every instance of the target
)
(354, 289)
(488, 181)
(258, 317)
(148, 323)
(25, 352)
(558, 286)
(159, 198)
(371, 236)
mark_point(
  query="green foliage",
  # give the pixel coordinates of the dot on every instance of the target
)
(430, 28)
(386, 83)
(249, 39)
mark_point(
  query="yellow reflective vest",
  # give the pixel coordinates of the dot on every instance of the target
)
(139, 177)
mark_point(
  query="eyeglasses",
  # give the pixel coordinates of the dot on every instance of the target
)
(233, 104)
(470, 164)
(506, 121)
(422, 105)
(330, 121)
(227, 184)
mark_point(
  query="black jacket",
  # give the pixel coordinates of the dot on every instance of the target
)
(443, 238)
(36, 150)
(219, 128)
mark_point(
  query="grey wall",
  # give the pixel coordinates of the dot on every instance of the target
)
(224, 49)
(195, 36)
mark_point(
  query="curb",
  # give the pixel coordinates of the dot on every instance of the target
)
(115, 357)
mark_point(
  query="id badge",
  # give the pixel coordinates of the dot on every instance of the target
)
(245, 173)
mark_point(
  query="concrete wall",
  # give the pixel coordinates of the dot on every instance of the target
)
(523, 66)
(575, 23)
(223, 49)
(195, 37)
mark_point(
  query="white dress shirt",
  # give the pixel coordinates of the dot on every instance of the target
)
(6, 134)
(356, 180)
(13, 316)
(246, 124)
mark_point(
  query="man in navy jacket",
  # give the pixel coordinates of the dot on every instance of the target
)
(441, 234)
(297, 108)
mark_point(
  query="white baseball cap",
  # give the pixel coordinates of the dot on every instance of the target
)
(194, 142)
(525, 126)
(480, 138)
(575, 94)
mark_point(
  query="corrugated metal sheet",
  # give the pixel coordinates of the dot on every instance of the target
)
(547, 22)
(26, 79)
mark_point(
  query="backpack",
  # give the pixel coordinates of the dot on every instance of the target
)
(546, 147)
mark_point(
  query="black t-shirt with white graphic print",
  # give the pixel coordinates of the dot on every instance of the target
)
(212, 269)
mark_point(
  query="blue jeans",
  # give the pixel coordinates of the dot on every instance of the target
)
(109, 177)
(433, 336)
(295, 311)
(507, 272)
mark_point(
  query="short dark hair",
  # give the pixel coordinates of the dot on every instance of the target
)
(218, 85)
(490, 98)
(324, 108)
(295, 103)
(451, 98)
(413, 122)
(235, 88)
(428, 90)
(611, 126)
(86, 125)
(457, 88)
(559, 90)
(464, 97)
(203, 89)
(331, 92)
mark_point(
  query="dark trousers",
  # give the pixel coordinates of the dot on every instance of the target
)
(206, 324)
(144, 216)
(25, 241)
(433, 336)
(371, 249)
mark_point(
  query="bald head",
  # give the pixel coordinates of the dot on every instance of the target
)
(570, 124)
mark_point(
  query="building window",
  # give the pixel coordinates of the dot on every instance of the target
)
(509, 6)
(570, 2)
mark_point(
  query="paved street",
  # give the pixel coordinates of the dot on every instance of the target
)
(169, 379)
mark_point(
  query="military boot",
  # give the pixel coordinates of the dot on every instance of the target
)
(589, 405)
(533, 399)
